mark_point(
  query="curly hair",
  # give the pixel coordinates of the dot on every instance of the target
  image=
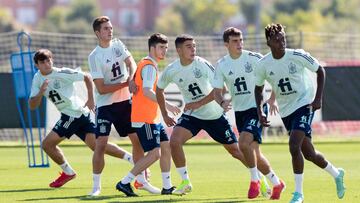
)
(273, 29)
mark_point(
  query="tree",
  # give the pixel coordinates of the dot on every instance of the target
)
(291, 6)
(6, 22)
(204, 17)
(169, 23)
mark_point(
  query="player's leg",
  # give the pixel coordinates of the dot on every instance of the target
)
(265, 168)
(149, 138)
(165, 162)
(178, 138)
(317, 158)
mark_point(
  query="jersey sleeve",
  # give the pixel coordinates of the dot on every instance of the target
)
(35, 87)
(95, 67)
(218, 81)
(164, 79)
(306, 60)
(148, 74)
(260, 74)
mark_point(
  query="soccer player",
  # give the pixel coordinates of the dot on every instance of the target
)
(192, 74)
(145, 117)
(57, 84)
(236, 69)
(288, 72)
(112, 68)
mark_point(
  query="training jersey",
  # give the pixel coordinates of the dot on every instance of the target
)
(108, 64)
(239, 77)
(194, 83)
(144, 110)
(289, 78)
(60, 90)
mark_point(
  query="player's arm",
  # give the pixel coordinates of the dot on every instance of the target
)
(273, 107)
(259, 97)
(131, 66)
(103, 88)
(35, 101)
(220, 99)
(316, 104)
(90, 103)
(162, 104)
(195, 105)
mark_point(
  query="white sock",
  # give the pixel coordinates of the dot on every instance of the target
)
(260, 175)
(67, 168)
(128, 178)
(166, 179)
(183, 173)
(273, 178)
(128, 157)
(254, 174)
(97, 180)
(141, 178)
(299, 183)
(334, 172)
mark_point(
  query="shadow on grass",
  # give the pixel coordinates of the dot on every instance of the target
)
(82, 197)
(26, 190)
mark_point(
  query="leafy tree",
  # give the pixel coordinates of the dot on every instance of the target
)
(290, 6)
(6, 22)
(169, 23)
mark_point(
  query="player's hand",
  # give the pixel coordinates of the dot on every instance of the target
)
(44, 86)
(173, 109)
(132, 87)
(192, 106)
(169, 121)
(316, 104)
(273, 107)
(226, 105)
(263, 119)
(90, 104)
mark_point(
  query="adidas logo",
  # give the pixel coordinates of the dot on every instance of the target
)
(249, 128)
(271, 73)
(181, 80)
(108, 61)
(231, 73)
(302, 125)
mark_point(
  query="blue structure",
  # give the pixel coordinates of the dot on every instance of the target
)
(23, 71)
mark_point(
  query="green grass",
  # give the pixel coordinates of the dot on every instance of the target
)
(216, 176)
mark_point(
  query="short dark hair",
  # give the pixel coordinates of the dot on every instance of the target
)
(181, 39)
(157, 38)
(42, 55)
(231, 31)
(273, 29)
(98, 21)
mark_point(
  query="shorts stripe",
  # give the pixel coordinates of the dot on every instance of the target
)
(148, 131)
(68, 123)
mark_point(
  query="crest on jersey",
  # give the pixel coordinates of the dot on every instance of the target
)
(181, 80)
(292, 68)
(57, 84)
(117, 52)
(231, 73)
(248, 67)
(197, 73)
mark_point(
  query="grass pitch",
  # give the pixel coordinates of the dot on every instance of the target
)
(215, 175)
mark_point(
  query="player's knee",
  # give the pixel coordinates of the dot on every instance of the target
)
(294, 149)
(175, 142)
(244, 146)
(155, 153)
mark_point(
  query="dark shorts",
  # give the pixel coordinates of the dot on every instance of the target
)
(219, 129)
(118, 114)
(301, 120)
(248, 121)
(150, 136)
(67, 126)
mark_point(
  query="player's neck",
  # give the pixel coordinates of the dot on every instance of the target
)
(277, 54)
(186, 62)
(235, 55)
(104, 44)
(46, 72)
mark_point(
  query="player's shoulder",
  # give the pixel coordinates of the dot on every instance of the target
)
(253, 55)
(203, 61)
(93, 53)
(65, 70)
(300, 54)
(266, 58)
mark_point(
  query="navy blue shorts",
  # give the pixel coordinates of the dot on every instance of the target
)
(301, 120)
(67, 126)
(150, 136)
(248, 121)
(219, 129)
(118, 114)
